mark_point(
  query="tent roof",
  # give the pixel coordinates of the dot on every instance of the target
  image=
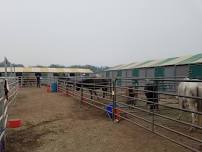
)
(47, 70)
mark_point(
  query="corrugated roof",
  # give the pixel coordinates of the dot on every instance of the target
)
(189, 59)
(129, 66)
(142, 64)
(47, 70)
(193, 59)
(59, 70)
(175, 61)
(165, 61)
(44, 70)
(19, 69)
(151, 63)
(27, 69)
(120, 67)
(117, 67)
(35, 69)
(198, 61)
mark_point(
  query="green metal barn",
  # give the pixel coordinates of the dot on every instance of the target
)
(176, 67)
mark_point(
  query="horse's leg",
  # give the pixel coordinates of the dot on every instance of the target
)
(156, 105)
(147, 103)
(96, 94)
(194, 116)
(91, 94)
(104, 92)
(135, 98)
(133, 101)
(128, 100)
(154, 99)
(181, 103)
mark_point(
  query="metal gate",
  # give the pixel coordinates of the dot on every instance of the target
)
(120, 104)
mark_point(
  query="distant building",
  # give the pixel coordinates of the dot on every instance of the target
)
(44, 72)
(176, 67)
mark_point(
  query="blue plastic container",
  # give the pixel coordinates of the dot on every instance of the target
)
(109, 109)
(53, 87)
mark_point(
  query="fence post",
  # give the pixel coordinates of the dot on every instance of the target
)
(114, 99)
(66, 88)
(155, 105)
(200, 110)
(82, 98)
(21, 81)
(75, 86)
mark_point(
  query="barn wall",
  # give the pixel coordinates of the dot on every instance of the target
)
(142, 73)
(30, 74)
(150, 72)
(129, 73)
(50, 74)
(196, 71)
(182, 71)
(114, 74)
(107, 74)
(124, 73)
(159, 72)
(2, 74)
(170, 71)
(110, 74)
(104, 74)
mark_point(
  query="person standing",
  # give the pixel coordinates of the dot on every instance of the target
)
(38, 81)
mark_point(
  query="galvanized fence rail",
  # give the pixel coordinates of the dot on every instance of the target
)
(4, 104)
(118, 104)
(27, 81)
(163, 121)
(114, 99)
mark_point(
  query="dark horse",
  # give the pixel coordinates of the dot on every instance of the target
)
(132, 94)
(94, 84)
(152, 95)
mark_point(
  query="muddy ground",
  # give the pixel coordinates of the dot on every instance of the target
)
(56, 123)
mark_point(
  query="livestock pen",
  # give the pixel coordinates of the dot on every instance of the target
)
(12, 83)
(163, 121)
(114, 105)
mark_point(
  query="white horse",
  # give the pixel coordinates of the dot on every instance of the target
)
(192, 89)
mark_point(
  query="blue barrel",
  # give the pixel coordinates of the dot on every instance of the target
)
(109, 109)
(53, 87)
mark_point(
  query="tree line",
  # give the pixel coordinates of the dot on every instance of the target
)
(95, 69)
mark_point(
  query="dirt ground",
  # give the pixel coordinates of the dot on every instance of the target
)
(56, 123)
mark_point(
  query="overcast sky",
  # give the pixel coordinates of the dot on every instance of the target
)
(98, 32)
